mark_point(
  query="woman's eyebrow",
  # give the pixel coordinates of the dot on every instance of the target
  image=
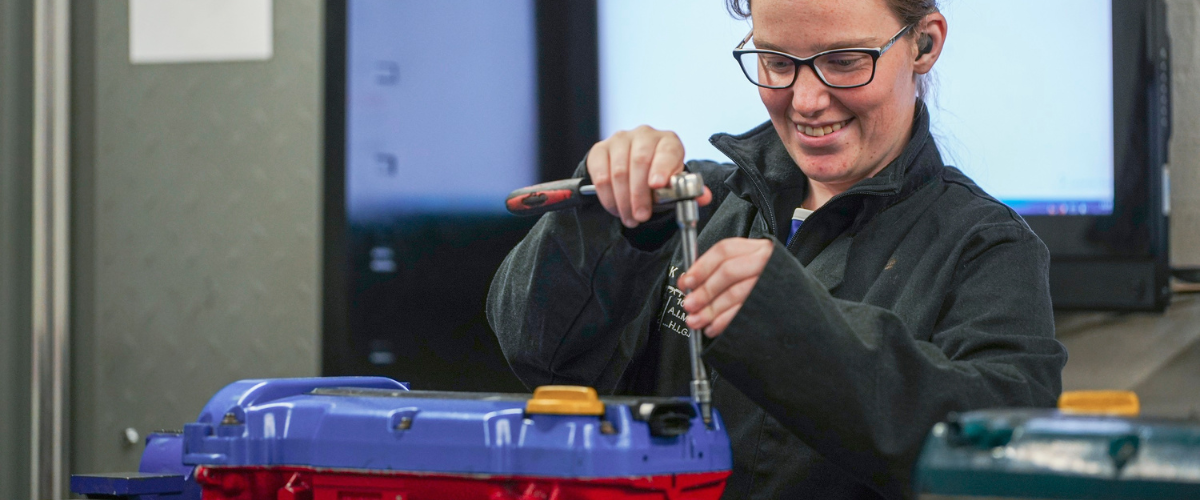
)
(859, 43)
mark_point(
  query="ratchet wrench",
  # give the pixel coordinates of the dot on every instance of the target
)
(683, 191)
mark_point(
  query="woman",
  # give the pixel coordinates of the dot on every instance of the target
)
(908, 293)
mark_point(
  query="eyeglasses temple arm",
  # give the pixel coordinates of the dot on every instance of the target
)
(894, 38)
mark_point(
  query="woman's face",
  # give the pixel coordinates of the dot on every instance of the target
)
(875, 121)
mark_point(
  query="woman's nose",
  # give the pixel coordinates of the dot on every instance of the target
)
(810, 96)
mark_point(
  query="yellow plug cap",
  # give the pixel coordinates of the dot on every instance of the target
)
(565, 400)
(1122, 403)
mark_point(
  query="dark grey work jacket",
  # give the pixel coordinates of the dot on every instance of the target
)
(909, 296)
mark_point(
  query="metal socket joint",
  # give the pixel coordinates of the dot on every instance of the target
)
(684, 186)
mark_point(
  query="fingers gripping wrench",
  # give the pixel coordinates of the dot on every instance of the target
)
(683, 191)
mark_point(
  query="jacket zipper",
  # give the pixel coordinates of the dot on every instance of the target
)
(760, 201)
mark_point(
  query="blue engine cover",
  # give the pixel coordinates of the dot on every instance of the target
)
(162, 474)
(377, 424)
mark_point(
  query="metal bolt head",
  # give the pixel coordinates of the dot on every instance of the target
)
(130, 436)
(404, 424)
(607, 427)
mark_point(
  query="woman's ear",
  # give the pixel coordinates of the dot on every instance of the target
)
(930, 40)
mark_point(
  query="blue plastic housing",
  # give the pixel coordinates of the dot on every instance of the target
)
(377, 424)
(134, 486)
(162, 475)
(164, 455)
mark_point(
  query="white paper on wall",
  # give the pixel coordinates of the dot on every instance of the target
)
(176, 31)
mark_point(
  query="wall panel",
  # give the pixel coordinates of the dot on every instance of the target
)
(1184, 24)
(197, 227)
(16, 240)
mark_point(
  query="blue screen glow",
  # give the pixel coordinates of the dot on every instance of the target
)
(441, 105)
(1021, 103)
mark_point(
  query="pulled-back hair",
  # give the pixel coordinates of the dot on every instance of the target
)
(909, 11)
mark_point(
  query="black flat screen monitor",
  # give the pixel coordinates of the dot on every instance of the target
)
(435, 112)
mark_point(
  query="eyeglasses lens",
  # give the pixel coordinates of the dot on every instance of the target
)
(837, 69)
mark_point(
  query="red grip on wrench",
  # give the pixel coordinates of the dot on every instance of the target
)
(542, 198)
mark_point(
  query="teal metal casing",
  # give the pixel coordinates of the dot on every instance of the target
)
(1048, 454)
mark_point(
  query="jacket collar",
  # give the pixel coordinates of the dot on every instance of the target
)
(764, 166)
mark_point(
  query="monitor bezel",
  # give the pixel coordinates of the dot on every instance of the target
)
(1120, 261)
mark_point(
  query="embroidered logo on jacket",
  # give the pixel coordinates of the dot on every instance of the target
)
(673, 317)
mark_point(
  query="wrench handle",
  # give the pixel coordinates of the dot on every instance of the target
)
(545, 197)
(569, 193)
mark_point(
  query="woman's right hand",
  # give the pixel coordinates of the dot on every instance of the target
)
(626, 167)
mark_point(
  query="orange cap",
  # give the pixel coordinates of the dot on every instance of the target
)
(1123, 403)
(565, 400)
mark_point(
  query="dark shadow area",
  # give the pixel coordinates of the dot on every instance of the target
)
(418, 286)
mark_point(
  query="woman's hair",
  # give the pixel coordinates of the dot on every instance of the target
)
(909, 12)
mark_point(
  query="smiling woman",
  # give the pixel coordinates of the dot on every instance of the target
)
(872, 122)
(895, 292)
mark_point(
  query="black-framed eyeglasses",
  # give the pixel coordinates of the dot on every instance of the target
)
(839, 68)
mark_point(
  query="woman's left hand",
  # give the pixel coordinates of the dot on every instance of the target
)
(721, 280)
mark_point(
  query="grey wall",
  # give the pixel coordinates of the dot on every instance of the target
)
(16, 240)
(1184, 24)
(197, 226)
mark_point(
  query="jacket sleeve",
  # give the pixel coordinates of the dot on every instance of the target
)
(573, 302)
(851, 380)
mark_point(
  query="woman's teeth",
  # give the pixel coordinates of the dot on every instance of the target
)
(821, 131)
